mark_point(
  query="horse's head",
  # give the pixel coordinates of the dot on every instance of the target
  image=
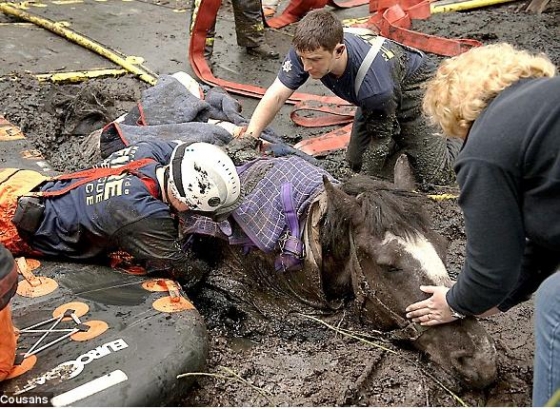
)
(385, 248)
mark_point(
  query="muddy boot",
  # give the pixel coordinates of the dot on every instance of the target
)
(249, 29)
(263, 51)
(403, 175)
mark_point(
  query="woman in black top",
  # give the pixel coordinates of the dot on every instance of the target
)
(505, 104)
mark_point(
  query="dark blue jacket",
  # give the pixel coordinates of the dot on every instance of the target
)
(115, 213)
(509, 175)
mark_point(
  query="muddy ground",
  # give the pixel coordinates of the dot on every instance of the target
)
(285, 359)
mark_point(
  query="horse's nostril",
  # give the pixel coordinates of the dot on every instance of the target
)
(478, 370)
(460, 359)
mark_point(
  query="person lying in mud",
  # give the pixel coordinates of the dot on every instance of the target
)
(128, 202)
(383, 78)
(8, 286)
(508, 172)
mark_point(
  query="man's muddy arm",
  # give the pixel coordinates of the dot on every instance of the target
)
(274, 98)
(154, 242)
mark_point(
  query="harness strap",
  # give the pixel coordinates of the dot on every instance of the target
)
(292, 247)
(293, 243)
(366, 63)
(407, 330)
(92, 174)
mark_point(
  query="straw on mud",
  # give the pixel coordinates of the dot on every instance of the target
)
(351, 334)
(348, 333)
(554, 400)
(234, 376)
(458, 399)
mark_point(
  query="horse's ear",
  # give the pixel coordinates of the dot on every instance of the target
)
(338, 200)
(403, 175)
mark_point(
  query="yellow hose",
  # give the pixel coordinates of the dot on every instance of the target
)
(444, 6)
(443, 196)
(79, 76)
(61, 30)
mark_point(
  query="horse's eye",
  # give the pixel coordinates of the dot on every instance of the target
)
(393, 269)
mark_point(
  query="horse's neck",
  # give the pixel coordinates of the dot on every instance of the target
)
(332, 268)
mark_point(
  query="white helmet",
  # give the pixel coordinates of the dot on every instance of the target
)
(203, 177)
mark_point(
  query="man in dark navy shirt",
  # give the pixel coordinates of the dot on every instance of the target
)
(505, 104)
(383, 78)
(129, 203)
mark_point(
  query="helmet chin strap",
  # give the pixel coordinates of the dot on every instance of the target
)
(165, 182)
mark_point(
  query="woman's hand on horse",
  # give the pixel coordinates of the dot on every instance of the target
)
(432, 311)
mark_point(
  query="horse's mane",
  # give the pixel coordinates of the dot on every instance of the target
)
(384, 207)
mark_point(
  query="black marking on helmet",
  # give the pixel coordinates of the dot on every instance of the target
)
(202, 187)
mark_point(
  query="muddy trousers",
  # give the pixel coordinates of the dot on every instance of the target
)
(375, 137)
(249, 25)
(546, 377)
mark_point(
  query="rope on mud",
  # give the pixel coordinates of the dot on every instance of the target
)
(350, 334)
(233, 377)
(117, 57)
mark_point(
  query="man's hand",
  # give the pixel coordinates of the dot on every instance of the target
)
(241, 132)
(432, 311)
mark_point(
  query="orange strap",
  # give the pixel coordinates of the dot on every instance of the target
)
(92, 174)
(324, 144)
(392, 19)
(336, 113)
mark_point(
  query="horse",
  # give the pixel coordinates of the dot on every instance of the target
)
(368, 247)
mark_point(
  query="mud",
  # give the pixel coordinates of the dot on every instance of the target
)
(292, 360)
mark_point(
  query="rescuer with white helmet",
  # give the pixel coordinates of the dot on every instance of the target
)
(125, 208)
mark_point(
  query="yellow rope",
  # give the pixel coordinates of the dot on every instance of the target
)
(444, 6)
(443, 196)
(79, 76)
(123, 61)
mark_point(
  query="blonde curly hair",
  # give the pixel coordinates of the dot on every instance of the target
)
(464, 85)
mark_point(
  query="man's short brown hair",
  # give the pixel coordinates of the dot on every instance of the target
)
(318, 29)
